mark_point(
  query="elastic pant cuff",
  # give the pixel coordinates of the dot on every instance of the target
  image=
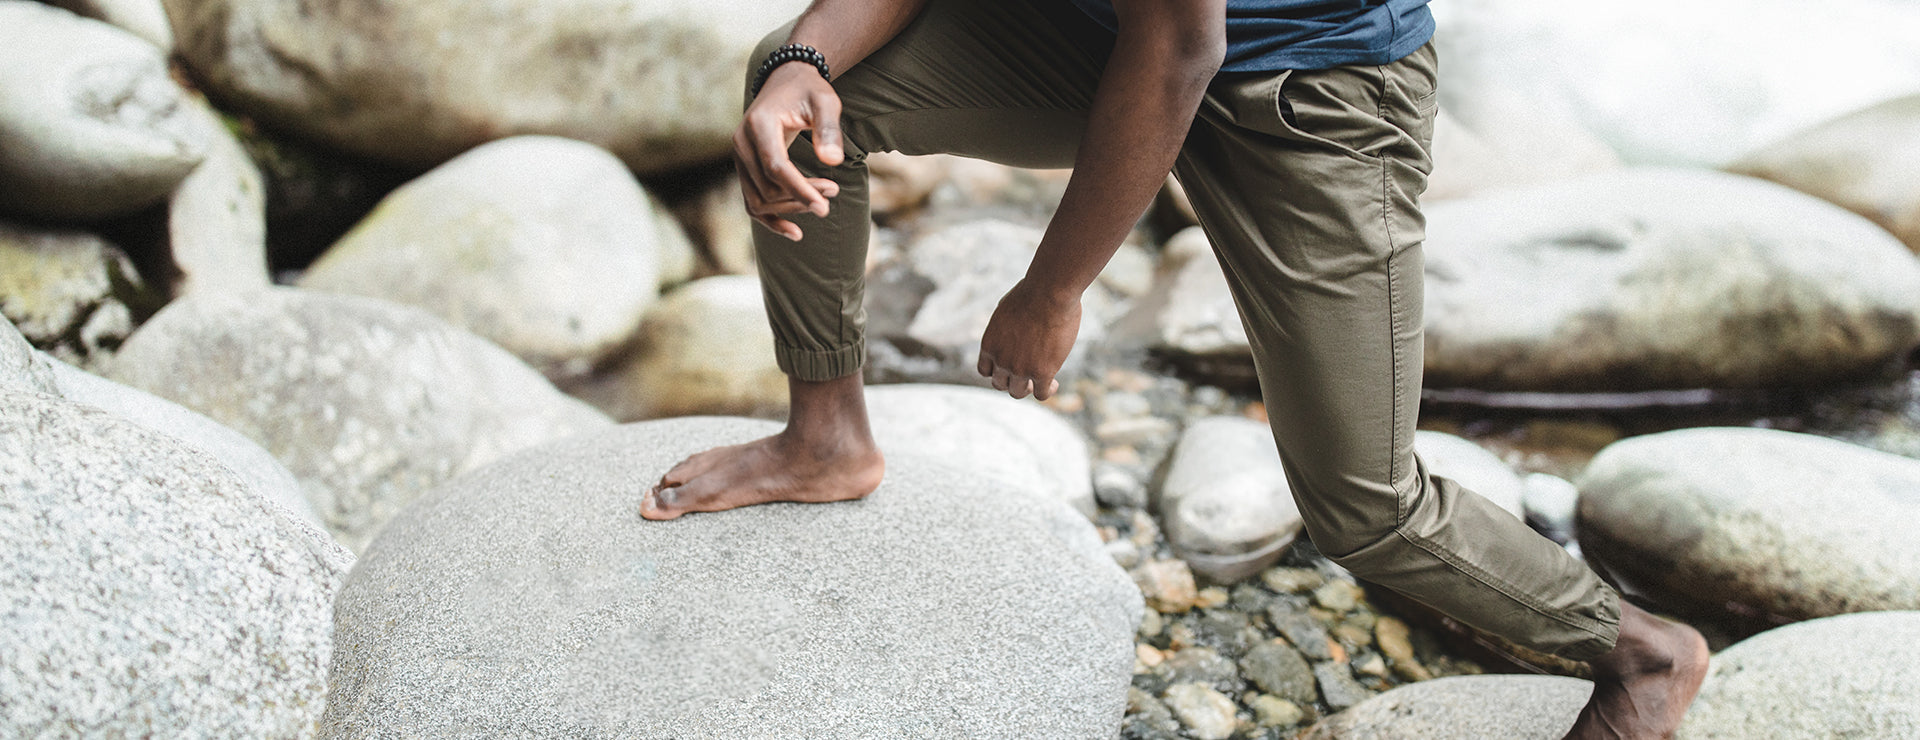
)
(1598, 645)
(821, 365)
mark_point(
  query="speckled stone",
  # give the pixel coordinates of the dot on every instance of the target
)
(1463, 708)
(1020, 442)
(1207, 714)
(150, 593)
(529, 599)
(704, 348)
(1788, 524)
(369, 403)
(1851, 676)
(1278, 669)
(545, 246)
(67, 291)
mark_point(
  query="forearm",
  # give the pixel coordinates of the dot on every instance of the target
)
(1138, 120)
(846, 31)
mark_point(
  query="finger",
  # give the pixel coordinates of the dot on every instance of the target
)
(782, 177)
(782, 208)
(1001, 379)
(985, 365)
(1021, 386)
(748, 163)
(826, 187)
(1042, 394)
(779, 226)
(826, 129)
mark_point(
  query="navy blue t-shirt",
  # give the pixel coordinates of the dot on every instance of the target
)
(1272, 35)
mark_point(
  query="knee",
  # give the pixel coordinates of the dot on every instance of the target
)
(1348, 522)
(773, 40)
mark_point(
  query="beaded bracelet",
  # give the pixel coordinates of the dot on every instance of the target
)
(789, 53)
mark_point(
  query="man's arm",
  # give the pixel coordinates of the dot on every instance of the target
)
(795, 99)
(1165, 53)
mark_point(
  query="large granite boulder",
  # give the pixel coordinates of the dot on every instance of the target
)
(530, 600)
(934, 301)
(1503, 140)
(1193, 317)
(1463, 708)
(256, 467)
(369, 403)
(1784, 524)
(151, 591)
(1850, 676)
(1867, 161)
(657, 83)
(69, 292)
(1661, 279)
(217, 218)
(90, 123)
(1737, 76)
(986, 432)
(543, 245)
(704, 348)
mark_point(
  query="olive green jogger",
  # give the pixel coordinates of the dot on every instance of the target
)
(1307, 183)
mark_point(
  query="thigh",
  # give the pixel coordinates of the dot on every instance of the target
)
(1308, 184)
(1008, 81)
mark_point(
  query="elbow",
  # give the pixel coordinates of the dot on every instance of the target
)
(1198, 56)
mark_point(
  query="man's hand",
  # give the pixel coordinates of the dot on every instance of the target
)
(1028, 339)
(794, 99)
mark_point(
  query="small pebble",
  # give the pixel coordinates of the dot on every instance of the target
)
(1256, 411)
(1133, 431)
(1212, 597)
(1306, 634)
(1372, 665)
(1066, 403)
(1338, 687)
(1352, 634)
(1273, 711)
(1151, 624)
(1278, 669)
(1338, 596)
(1145, 530)
(1124, 405)
(1127, 380)
(1180, 636)
(1200, 665)
(1148, 655)
(1292, 580)
(1115, 487)
(1167, 585)
(1394, 638)
(1120, 455)
(1124, 553)
(1206, 713)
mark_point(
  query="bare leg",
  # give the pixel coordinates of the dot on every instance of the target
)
(826, 453)
(1641, 689)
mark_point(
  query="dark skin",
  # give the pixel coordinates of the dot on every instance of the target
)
(1164, 54)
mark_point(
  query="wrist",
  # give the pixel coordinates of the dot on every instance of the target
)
(1050, 293)
(784, 58)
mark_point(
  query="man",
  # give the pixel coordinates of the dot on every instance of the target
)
(1300, 129)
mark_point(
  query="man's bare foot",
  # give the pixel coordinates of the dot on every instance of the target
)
(826, 453)
(1642, 688)
(775, 468)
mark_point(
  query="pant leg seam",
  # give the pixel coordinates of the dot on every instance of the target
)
(1487, 579)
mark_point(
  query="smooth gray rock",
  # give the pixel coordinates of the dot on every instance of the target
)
(143, 18)
(1849, 676)
(1195, 319)
(529, 599)
(90, 123)
(1551, 503)
(1500, 139)
(705, 348)
(1472, 466)
(68, 292)
(154, 594)
(1338, 686)
(22, 368)
(1205, 713)
(1661, 279)
(1278, 669)
(217, 218)
(1591, 62)
(256, 467)
(369, 403)
(1787, 524)
(543, 245)
(657, 83)
(971, 265)
(1225, 502)
(1463, 708)
(987, 432)
(1867, 162)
